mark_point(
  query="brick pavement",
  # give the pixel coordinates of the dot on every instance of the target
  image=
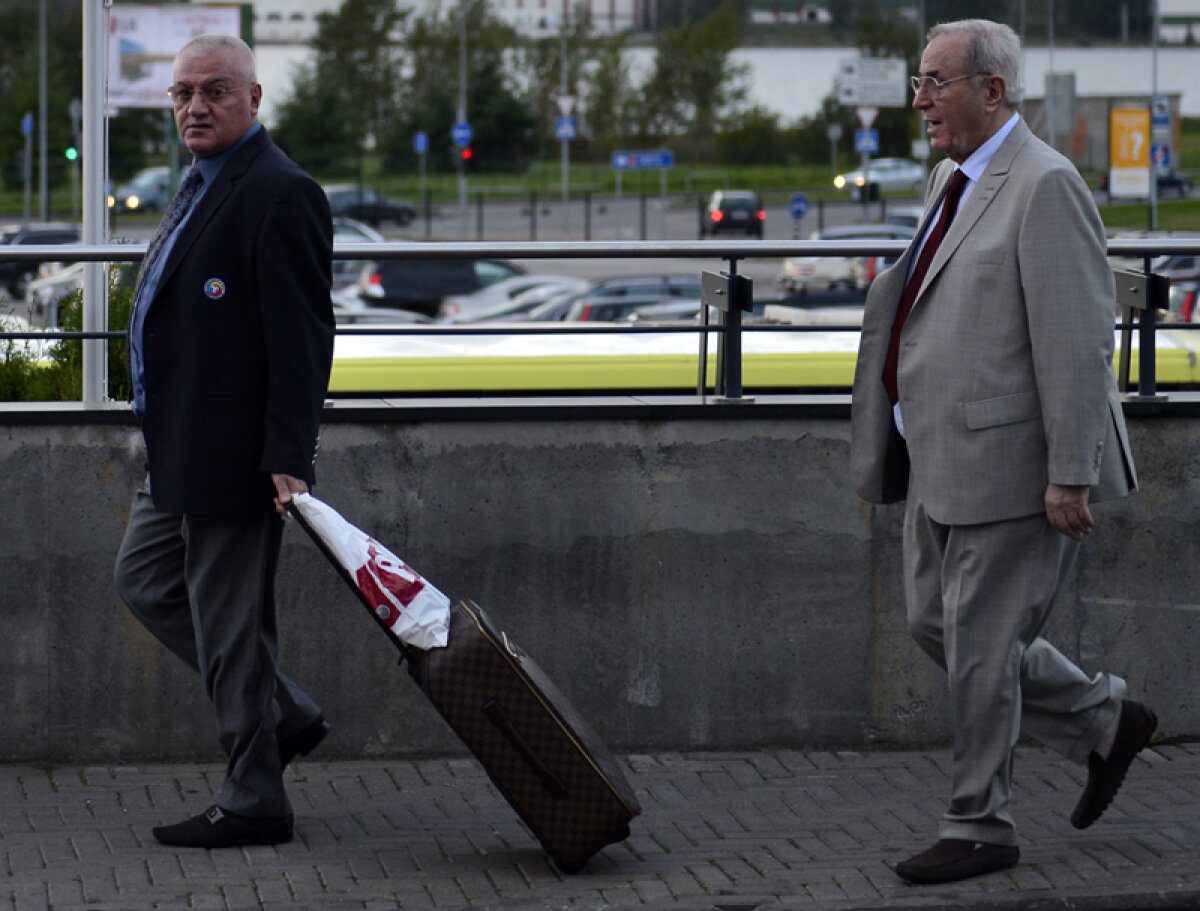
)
(774, 830)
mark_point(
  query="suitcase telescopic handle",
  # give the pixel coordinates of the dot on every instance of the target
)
(552, 782)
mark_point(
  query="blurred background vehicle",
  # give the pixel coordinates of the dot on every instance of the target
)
(1182, 304)
(14, 275)
(150, 190)
(1169, 182)
(905, 216)
(349, 230)
(457, 308)
(368, 205)
(420, 285)
(612, 298)
(884, 174)
(734, 212)
(800, 274)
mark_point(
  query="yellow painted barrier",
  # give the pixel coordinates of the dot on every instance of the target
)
(779, 361)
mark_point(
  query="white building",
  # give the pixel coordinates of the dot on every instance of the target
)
(295, 21)
(1179, 21)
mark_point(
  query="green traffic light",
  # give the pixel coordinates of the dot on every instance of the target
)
(71, 153)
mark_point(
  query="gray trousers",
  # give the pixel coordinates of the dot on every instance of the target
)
(978, 597)
(204, 586)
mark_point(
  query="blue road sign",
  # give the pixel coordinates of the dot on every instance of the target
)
(1160, 156)
(633, 161)
(564, 129)
(798, 205)
(461, 134)
(421, 142)
(27, 125)
(866, 142)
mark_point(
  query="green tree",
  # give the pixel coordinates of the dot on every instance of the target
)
(504, 126)
(19, 82)
(607, 96)
(694, 84)
(345, 97)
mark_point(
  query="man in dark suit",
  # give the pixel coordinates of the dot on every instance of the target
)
(231, 342)
(992, 410)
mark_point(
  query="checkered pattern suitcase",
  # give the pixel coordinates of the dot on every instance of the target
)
(543, 757)
(540, 753)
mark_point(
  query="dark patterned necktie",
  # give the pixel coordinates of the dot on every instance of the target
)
(958, 180)
(176, 211)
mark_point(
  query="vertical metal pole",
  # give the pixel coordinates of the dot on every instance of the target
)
(533, 214)
(1153, 98)
(462, 106)
(730, 352)
(44, 176)
(95, 207)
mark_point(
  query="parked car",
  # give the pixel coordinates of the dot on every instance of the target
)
(350, 310)
(16, 275)
(458, 308)
(884, 174)
(519, 307)
(1178, 267)
(734, 212)
(150, 190)
(348, 230)
(905, 216)
(800, 274)
(420, 285)
(1182, 304)
(369, 205)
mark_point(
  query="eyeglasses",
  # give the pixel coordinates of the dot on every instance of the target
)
(213, 94)
(933, 86)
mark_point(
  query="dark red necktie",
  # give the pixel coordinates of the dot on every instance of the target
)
(958, 180)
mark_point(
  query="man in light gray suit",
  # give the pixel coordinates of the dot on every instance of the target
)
(995, 416)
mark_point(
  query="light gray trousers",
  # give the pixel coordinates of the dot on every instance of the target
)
(204, 586)
(978, 597)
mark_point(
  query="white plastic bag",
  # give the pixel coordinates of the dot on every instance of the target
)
(413, 609)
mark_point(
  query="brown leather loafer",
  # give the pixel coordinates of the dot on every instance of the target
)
(951, 859)
(1134, 730)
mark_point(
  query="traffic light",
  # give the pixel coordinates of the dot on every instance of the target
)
(465, 156)
(71, 152)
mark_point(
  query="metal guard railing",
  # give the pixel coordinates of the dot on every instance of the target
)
(1141, 294)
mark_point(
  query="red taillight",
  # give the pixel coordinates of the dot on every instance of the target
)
(717, 215)
(376, 279)
(586, 312)
(1189, 305)
(762, 214)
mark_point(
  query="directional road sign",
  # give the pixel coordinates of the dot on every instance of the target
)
(630, 161)
(798, 205)
(461, 134)
(876, 81)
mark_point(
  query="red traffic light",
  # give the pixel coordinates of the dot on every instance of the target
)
(466, 154)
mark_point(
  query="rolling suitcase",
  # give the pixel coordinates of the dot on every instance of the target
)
(534, 745)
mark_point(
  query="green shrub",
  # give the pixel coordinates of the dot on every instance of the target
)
(59, 376)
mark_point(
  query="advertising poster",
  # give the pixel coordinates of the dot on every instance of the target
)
(143, 42)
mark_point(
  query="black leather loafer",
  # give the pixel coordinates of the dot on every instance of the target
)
(217, 828)
(303, 742)
(951, 859)
(1135, 727)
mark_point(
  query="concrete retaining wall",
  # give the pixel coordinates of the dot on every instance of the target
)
(690, 584)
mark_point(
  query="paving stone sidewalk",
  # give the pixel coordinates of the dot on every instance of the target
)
(774, 830)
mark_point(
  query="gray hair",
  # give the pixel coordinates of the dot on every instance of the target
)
(237, 49)
(992, 48)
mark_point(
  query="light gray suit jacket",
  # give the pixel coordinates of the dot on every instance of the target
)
(1005, 369)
